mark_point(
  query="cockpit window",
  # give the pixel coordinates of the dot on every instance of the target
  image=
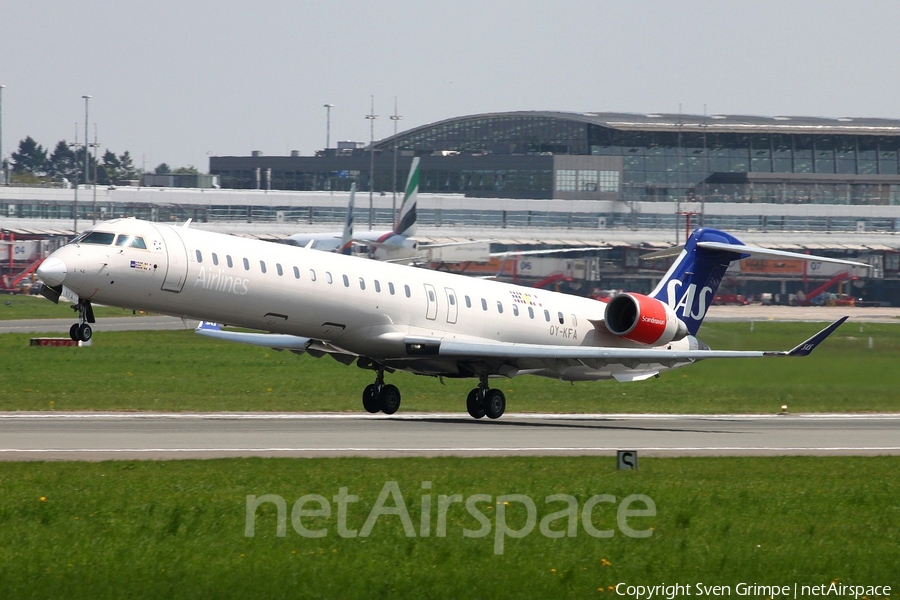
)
(100, 238)
(131, 241)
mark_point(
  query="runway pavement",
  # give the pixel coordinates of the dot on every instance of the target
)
(125, 436)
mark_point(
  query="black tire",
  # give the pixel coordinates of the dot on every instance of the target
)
(73, 331)
(494, 404)
(370, 399)
(475, 404)
(85, 332)
(390, 399)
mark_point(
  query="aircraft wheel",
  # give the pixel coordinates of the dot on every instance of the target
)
(475, 404)
(73, 331)
(370, 399)
(494, 404)
(390, 399)
(85, 332)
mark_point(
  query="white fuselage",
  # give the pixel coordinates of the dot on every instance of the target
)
(365, 307)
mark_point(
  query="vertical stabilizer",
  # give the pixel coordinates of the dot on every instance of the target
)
(691, 282)
(347, 237)
(406, 222)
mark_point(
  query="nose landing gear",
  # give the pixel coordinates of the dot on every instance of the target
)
(81, 331)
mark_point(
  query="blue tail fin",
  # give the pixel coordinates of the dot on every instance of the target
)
(691, 282)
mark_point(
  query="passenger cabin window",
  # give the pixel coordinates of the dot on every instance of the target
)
(362, 283)
(516, 309)
(278, 269)
(391, 288)
(483, 304)
(499, 307)
(246, 264)
(215, 258)
(346, 280)
(407, 290)
(328, 278)
(296, 273)
(377, 287)
(312, 275)
(430, 296)
(574, 321)
(262, 266)
(132, 241)
(468, 302)
(530, 312)
(452, 299)
(98, 237)
(199, 256)
(547, 315)
(561, 319)
(229, 261)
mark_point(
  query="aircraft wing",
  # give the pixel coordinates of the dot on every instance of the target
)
(521, 354)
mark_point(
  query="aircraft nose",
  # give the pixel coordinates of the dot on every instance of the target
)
(53, 271)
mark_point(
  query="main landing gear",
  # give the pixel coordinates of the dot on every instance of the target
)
(81, 331)
(378, 397)
(484, 401)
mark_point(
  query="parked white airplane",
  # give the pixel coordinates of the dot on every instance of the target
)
(388, 317)
(395, 244)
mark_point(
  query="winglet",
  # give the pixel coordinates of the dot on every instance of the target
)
(809, 345)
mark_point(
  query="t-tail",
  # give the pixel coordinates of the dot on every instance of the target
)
(690, 284)
(347, 236)
(406, 222)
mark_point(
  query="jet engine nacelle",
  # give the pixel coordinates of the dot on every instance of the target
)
(643, 319)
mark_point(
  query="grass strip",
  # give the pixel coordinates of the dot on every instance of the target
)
(854, 370)
(177, 529)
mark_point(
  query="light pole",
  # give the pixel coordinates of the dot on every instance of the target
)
(395, 117)
(75, 145)
(2, 164)
(86, 153)
(95, 145)
(328, 108)
(371, 117)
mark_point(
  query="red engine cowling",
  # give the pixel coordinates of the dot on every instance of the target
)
(643, 319)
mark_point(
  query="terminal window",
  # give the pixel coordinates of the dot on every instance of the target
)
(587, 181)
(565, 180)
(609, 181)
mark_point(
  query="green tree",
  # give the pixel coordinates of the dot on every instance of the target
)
(63, 163)
(30, 158)
(188, 170)
(127, 170)
(162, 169)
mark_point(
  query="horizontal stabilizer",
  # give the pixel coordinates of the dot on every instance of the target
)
(756, 251)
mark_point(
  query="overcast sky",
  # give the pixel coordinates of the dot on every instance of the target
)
(176, 82)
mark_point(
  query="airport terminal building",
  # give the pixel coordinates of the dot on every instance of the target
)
(632, 182)
(628, 159)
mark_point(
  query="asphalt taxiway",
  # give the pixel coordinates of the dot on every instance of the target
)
(124, 436)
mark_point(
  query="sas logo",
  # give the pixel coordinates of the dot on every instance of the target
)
(688, 299)
(141, 266)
